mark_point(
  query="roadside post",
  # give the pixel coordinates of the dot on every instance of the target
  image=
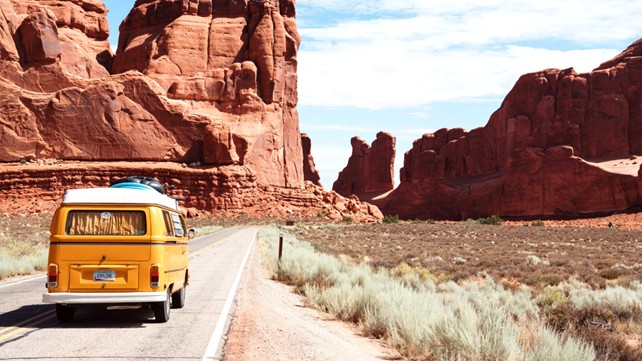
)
(280, 247)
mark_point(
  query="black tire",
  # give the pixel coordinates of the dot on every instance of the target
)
(161, 309)
(178, 298)
(64, 313)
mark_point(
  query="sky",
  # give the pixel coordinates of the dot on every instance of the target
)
(414, 66)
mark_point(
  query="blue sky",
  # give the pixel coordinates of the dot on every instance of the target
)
(414, 66)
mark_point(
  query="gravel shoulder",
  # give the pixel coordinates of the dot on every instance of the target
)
(272, 323)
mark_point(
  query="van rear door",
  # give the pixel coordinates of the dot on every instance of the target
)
(104, 249)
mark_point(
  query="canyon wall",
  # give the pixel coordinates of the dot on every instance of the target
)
(561, 144)
(208, 82)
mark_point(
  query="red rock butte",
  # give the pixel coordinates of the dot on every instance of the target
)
(562, 144)
(211, 84)
(370, 169)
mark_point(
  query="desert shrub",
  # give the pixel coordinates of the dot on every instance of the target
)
(536, 261)
(450, 321)
(551, 299)
(492, 220)
(546, 279)
(391, 219)
(347, 219)
(21, 258)
(537, 224)
(594, 325)
(613, 273)
(415, 278)
(625, 303)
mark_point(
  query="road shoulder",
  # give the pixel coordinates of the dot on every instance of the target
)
(271, 323)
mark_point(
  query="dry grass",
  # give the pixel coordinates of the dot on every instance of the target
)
(535, 256)
(602, 265)
(23, 244)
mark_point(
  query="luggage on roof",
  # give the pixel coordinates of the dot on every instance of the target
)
(138, 182)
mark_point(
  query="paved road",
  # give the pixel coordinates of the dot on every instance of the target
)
(29, 329)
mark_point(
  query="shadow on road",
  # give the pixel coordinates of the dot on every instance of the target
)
(43, 316)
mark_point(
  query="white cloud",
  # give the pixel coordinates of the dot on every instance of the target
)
(449, 51)
(335, 127)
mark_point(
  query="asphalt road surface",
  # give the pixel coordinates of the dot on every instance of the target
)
(29, 329)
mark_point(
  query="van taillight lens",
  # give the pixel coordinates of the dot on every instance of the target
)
(154, 276)
(53, 275)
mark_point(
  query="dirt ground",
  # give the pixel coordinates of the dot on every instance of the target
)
(272, 324)
(519, 253)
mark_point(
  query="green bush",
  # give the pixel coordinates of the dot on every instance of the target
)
(391, 219)
(492, 220)
(551, 299)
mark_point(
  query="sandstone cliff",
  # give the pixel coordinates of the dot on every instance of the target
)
(370, 169)
(211, 84)
(543, 153)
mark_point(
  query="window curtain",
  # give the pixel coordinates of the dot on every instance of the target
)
(106, 223)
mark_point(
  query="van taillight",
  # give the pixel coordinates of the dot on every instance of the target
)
(53, 275)
(154, 276)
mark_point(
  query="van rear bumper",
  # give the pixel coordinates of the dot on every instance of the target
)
(103, 298)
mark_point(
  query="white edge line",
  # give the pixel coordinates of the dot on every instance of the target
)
(217, 336)
(23, 281)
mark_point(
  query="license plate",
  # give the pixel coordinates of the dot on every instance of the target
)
(104, 276)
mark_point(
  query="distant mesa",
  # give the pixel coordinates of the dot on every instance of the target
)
(561, 145)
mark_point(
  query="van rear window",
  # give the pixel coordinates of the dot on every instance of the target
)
(106, 223)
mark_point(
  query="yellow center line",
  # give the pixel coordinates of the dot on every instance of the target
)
(24, 326)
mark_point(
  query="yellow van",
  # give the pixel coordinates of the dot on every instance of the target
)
(118, 246)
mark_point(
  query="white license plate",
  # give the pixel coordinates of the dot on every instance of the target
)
(104, 276)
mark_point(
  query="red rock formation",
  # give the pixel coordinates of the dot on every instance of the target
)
(235, 64)
(532, 158)
(369, 169)
(194, 82)
(218, 84)
(310, 172)
(228, 190)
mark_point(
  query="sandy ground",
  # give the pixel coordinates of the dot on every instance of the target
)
(627, 166)
(271, 323)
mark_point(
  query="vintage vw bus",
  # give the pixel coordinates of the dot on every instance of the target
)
(116, 246)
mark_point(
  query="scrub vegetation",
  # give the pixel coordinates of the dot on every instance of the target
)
(23, 245)
(472, 292)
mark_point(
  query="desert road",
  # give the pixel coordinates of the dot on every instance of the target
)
(29, 329)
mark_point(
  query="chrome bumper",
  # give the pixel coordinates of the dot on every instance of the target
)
(103, 298)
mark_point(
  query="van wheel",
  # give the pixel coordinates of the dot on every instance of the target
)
(161, 309)
(178, 298)
(64, 313)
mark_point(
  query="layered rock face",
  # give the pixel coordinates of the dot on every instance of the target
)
(370, 169)
(214, 82)
(228, 190)
(234, 63)
(207, 83)
(542, 153)
(310, 172)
